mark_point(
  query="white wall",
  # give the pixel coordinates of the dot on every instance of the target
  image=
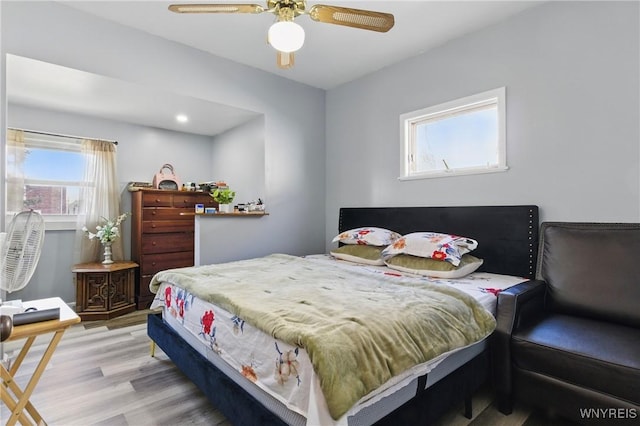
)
(238, 159)
(571, 72)
(293, 125)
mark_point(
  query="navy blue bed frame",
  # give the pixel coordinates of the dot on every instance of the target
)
(508, 243)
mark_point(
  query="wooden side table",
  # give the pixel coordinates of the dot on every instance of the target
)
(15, 398)
(104, 291)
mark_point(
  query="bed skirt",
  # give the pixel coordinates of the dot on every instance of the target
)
(242, 409)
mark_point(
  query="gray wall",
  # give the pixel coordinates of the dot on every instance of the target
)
(571, 72)
(238, 159)
(294, 130)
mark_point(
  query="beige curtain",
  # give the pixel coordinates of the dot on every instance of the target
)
(16, 153)
(99, 198)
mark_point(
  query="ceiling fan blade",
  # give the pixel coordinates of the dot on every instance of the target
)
(357, 18)
(216, 8)
(285, 60)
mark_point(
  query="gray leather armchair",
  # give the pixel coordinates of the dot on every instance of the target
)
(569, 341)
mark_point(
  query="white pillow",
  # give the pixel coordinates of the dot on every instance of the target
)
(370, 236)
(433, 245)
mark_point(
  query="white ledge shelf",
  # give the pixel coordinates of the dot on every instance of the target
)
(234, 214)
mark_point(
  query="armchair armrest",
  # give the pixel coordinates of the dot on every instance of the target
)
(516, 305)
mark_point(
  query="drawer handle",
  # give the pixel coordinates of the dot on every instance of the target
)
(157, 200)
(153, 225)
(153, 263)
(153, 243)
(154, 212)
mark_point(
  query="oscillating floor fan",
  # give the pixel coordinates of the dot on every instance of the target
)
(20, 251)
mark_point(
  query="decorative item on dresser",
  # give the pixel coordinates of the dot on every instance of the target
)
(162, 234)
(166, 180)
(104, 291)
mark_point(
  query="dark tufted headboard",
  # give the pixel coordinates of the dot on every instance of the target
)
(507, 235)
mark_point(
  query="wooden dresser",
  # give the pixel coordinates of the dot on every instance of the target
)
(162, 234)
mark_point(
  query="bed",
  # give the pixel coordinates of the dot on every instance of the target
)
(507, 237)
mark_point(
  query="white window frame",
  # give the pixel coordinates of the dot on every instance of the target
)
(409, 121)
(53, 222)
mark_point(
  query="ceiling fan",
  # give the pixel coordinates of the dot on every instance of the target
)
(285, 35)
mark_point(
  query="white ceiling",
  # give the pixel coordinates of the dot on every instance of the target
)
(332, 54)
(53, 87)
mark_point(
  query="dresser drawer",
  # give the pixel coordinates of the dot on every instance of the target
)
(154, 199)
(152, 263)
(167, 243)
(206, 199)
(165, 213)
(188, 200)
(164, 226)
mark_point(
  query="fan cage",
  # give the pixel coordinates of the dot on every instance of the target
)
(21, 250)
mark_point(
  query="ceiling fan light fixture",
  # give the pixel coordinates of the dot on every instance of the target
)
(286, 36)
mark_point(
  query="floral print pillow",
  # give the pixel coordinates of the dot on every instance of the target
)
(368, 236)
(433, 245)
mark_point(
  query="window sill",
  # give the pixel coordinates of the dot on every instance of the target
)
(54, 223)
(453, 173)
(59, 225)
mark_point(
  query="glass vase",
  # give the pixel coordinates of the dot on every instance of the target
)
(107, 254)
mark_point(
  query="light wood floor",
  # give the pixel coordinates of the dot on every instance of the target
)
(102, 374)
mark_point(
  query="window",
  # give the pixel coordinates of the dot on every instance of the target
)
(464, 136)
(44, 173)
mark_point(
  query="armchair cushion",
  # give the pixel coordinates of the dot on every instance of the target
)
(593, 270)
(591, 354)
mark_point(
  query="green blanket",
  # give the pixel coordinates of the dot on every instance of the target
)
(359, 331)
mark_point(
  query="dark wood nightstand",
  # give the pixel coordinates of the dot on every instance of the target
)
(104, 291)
